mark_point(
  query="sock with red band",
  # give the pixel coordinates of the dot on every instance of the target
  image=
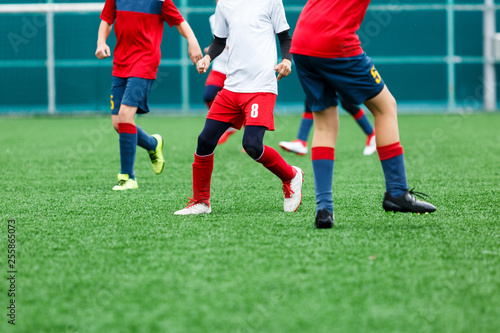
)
(363, 122)
(305, 126)
(393, 164)
(128, 146)
(145, 140)
(322, 161)
(273, 161)
(202, 175)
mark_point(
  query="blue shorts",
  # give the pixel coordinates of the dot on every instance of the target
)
(131, 91)
(355, 79)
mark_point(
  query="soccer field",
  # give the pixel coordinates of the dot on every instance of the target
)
(92, 260)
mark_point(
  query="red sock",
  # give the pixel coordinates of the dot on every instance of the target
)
(202, 174)
(273, 161)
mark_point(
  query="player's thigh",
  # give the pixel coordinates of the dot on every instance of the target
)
(320, 94)
(225, 109)
(136, 93)
(259, 109)
(382, 103)
(118, 86)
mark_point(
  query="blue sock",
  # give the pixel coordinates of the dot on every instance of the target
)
(128, 146)
(322, 162)
(360, 117)
(145, 140)
(364, 122)
(393, 164)
(305, 126)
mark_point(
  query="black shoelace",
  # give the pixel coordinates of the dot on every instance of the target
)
(419, 195)
(153, 157)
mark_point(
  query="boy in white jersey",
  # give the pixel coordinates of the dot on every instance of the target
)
(249, 94)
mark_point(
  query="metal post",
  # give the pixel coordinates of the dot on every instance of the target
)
(450, 59)
(51, 62)
(490, 95)
(184, 63)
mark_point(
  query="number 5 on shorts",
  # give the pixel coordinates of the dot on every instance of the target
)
(255, 111)
(375, 75)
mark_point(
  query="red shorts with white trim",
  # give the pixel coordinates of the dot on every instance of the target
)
(251, 109)
(215, 79)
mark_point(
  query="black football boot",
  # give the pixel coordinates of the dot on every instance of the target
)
(407, 203)
(324, 219)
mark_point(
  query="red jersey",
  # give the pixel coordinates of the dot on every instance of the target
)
(139, 30)
(327, 29)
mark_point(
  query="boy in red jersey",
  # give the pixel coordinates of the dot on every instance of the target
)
(139, 31)
(330, 61)
(248, 96)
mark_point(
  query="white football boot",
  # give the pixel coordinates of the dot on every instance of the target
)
(297, 146)
(293, 191)
(371, 146)
(195, 208)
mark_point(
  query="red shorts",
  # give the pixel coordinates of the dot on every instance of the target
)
(244, 108)
(215, 79)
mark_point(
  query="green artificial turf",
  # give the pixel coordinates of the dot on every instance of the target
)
(92, 260)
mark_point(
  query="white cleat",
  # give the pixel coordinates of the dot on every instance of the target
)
(297, 146)
(195, 208)
(293, 191)
(371, 146)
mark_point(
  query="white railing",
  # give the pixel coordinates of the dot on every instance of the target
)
(488, 9)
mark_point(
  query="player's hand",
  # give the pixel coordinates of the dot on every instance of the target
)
(103, 51)
(284, 68)
(205, 50)
(203, 64)
(194, 51)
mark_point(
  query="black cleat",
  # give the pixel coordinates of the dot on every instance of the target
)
(407, 203)
(324, 219)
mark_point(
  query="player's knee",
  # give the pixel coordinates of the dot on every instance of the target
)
(206, 145)
(253, 147)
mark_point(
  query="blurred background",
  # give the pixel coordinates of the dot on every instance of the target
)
(435, 56)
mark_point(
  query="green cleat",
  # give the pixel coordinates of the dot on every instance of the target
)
(125, 183)
(156, 156)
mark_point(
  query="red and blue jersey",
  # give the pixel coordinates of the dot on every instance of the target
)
(139, 31)
(334, 24)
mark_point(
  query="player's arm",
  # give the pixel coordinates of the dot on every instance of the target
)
(214, 50)
(194, 49)
(103, 50)
(285, 67)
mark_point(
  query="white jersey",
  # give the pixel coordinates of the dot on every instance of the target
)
(251, 28)
(219, 64)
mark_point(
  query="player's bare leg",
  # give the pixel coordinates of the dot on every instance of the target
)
(326, 128)
(384, 110)
(397, 196)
